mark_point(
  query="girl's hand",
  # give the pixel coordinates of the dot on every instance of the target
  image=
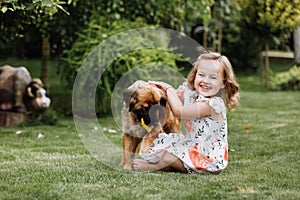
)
(159, 84)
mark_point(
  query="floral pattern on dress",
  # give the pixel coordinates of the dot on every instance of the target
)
(204, 147)
(188, 125)
(198, 159)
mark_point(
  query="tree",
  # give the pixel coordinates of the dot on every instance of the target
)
(18, 14)
(269, 18)
(220, 12)
(111, 17)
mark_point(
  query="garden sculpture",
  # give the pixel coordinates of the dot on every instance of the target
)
(19, 92)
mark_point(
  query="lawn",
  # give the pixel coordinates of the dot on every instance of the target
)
(51, 162)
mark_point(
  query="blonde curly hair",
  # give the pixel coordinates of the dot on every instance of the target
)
(231, 95)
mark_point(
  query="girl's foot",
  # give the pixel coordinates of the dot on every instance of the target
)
(142, 165)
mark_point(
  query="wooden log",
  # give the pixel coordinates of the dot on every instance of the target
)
(11, 118)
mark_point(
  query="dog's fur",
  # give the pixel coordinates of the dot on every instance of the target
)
(142, 100)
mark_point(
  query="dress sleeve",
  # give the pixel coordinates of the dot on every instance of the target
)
(217, 104)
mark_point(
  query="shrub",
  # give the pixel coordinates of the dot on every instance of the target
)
(289, 80)
(47, 117)
(98, 31)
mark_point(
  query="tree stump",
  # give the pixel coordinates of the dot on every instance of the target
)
(11, 118)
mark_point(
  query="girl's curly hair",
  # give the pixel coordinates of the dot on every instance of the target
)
(231, 95)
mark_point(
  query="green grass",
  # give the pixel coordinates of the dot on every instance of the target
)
(263, 160)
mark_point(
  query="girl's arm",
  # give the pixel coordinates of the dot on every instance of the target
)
(196, 110)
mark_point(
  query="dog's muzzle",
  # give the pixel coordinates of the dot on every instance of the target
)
(152, 116)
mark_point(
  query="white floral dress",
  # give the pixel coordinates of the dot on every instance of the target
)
(204, 148)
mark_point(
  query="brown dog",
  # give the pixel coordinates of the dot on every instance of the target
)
(144, 104)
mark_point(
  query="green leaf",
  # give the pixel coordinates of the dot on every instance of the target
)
(47, 3)
(4, 9)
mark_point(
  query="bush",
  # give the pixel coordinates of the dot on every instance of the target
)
(47, 117)
(289, 80)
(98, 31)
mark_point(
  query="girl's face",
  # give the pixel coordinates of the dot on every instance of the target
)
(209, 78)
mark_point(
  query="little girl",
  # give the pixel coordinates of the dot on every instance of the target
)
(201, 102)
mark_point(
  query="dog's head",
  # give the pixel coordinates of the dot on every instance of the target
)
(35, 96)
(147, 103)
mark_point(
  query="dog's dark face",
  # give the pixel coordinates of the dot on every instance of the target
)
(148, 103)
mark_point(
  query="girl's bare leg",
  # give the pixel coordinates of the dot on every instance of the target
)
(168, 162)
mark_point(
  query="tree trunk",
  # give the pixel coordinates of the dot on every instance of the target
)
(261, 67)
(214, 30)
(297, 45)
(220, 35)
(267, 68)
(45, 60)
(205, 37)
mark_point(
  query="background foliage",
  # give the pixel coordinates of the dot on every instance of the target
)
(269, 20)
(288, 80)
(236, 28)
(90, 38)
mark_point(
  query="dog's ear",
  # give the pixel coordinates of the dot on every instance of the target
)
(131, 107)
(133, 101)
(127, 95)
(130, 98)
(163, 102)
